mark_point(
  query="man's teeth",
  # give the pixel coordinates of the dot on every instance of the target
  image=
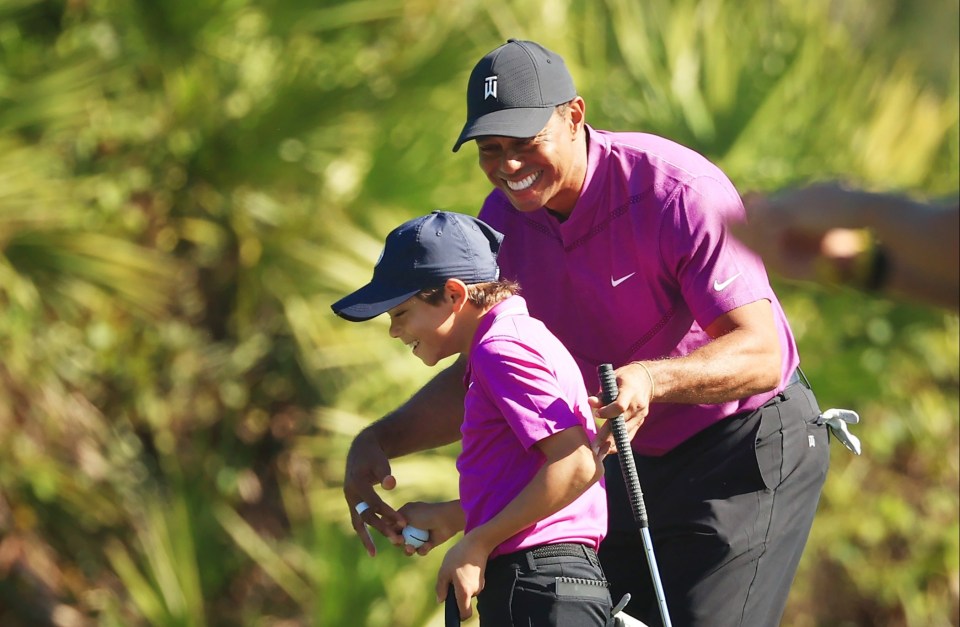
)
(413, 345)
(519, 186)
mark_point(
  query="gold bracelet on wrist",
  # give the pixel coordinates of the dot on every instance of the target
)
(653, 386)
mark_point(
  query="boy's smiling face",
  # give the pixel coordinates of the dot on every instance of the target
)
(428, 329)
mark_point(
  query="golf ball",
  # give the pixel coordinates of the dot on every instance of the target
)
(415, 537)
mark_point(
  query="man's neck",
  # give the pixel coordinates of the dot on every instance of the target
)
(578, 173)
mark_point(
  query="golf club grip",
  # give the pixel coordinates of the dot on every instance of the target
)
(451, 613)
(609, 393)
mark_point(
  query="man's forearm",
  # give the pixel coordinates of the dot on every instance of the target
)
(742, 360)
(429, 419)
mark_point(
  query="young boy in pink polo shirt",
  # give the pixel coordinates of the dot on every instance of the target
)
(532, 505)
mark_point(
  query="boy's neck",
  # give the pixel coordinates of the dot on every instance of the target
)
(472, 317)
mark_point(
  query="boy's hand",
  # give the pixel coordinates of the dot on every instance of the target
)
(463, 566)
(442, 520)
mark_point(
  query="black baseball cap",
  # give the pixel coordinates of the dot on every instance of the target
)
(513, 91)
(424, 253)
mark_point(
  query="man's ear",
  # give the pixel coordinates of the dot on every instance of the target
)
(455, 290)
(578, 117)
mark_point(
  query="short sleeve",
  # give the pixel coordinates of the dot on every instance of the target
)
(524, 388)
(715, 272)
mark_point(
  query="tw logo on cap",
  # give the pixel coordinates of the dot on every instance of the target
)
(490, 87)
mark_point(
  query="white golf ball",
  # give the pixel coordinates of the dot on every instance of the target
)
(415, 537)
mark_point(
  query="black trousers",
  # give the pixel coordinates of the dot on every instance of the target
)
(730, 511)
(552, 585)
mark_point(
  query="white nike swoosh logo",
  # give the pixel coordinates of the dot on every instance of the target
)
(719, 287)
(615, 282)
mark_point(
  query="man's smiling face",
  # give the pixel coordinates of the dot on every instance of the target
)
(540, 171)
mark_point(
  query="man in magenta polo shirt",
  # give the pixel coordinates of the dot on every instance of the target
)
(620, 242)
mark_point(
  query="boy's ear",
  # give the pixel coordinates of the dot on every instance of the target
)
(456, 291)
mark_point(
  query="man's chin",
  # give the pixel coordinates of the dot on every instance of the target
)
(525, 205)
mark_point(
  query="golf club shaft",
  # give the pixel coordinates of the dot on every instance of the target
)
(609, 393)
(451, 613)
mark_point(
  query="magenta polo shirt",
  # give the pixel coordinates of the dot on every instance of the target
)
(522, 386)
(641, 267)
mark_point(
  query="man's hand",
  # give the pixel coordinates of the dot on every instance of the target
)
(636, 392)
(430, 418)
(367, 466)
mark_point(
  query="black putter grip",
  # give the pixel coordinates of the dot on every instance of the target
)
(451, 613)
(609, 393)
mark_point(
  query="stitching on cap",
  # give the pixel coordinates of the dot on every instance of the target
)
(419, 230)
(536, 70)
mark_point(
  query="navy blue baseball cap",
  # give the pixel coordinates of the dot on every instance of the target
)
(513, 91)
(421, 254)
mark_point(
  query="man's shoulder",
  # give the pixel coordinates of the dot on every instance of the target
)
(657, 152)
(637, 140)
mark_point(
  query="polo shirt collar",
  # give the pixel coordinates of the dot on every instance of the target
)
(512, 306)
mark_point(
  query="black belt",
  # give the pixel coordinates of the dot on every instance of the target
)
(565, 549)
(796, 378)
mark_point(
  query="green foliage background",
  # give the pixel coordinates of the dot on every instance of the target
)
(185, 187)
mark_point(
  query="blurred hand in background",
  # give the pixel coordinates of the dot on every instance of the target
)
(877, 242)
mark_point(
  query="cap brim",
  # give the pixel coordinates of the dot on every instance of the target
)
(369, 302)
(525, 122)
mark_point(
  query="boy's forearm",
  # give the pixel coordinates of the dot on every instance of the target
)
(453, 516)
(556, 485)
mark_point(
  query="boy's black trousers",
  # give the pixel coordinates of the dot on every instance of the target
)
(558, 585)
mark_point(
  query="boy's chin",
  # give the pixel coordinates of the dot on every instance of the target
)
(433, 360)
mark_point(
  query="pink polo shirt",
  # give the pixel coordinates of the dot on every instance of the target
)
(641, 267)
(522, 386)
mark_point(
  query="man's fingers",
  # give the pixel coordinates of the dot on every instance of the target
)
(386, 520)
(601, 448)
(371, 510)
(361, 530)
(605, 440)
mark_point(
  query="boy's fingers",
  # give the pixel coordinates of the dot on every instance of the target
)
(463, 603)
